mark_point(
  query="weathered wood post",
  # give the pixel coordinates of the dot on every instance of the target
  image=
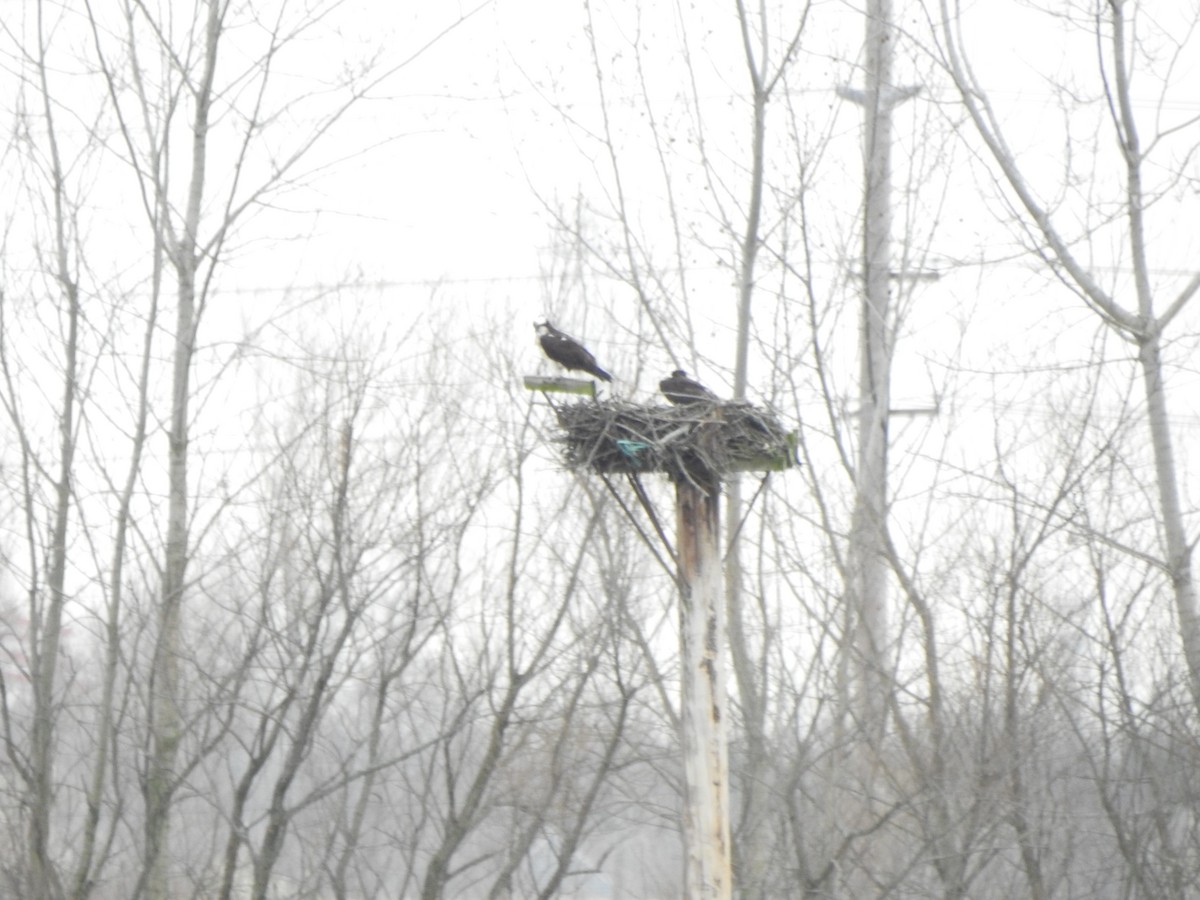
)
(708, 871)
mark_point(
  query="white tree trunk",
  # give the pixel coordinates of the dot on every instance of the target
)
(47, 605)
(166, 720)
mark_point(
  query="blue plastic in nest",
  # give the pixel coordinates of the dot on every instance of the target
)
(632, 449)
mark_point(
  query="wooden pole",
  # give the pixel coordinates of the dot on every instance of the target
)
(708, 872)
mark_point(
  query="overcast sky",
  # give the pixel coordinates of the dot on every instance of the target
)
(443, 185)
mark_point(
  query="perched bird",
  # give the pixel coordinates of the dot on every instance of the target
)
(681, 390)
(568, 352)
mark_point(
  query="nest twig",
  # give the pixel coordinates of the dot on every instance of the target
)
(699, 443)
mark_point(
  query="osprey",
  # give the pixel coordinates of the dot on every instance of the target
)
(568, 352)
(681, 390)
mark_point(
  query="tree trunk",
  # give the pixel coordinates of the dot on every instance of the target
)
(1179, 552)
(46, 614)
(753, 845)
(165, 681)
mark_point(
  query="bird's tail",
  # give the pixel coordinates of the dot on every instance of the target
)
(600, 373)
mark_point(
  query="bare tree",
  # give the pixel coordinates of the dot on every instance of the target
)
(195, 242)
(767, 66)
(160, 108)
(1144, 322)
(46, 593)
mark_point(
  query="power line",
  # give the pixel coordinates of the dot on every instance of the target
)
(933, 274)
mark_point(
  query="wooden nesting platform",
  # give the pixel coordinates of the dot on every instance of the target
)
(700, 442)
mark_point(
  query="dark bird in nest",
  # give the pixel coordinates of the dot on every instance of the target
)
(681, 390)
(568, 352)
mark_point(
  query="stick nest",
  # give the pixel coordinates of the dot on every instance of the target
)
(698, 442)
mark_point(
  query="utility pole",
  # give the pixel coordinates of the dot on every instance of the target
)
(866, 561)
